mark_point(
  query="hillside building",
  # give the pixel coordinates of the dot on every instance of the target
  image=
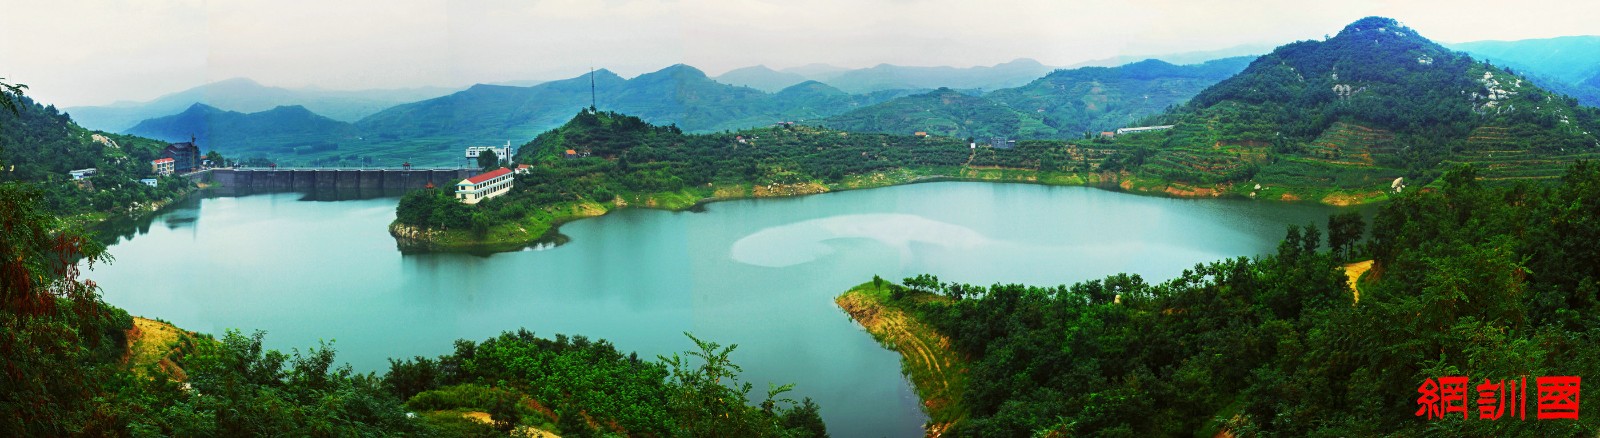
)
(162, 166)
(1121, 131)
(484, 186)
(83, 173)
(185, 156)
(501, 152)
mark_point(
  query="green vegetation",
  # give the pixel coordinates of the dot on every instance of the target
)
(1462, 283)
(65, 373)
(40, 145)
(620, 160)
(1289, 128)
(890, 313)
(286, 131)
(72, 369)
(1565, 64)
(1344, 117)
(588, 388)
(944, 112)
(7, 91)
(1062, 104)
(434, 130)
(1353, 119)
(61, 343)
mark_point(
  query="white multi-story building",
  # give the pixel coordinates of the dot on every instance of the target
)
(501, 152)
(1121, 131)
(484, 186)
(163, 166)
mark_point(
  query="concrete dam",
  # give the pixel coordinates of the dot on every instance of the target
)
(309, 178)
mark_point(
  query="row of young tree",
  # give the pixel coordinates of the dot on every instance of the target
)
(1491, 283)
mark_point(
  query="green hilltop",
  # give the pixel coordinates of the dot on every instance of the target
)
(1354, 112)
(1062, 104)
(944, 112)
(285, 131)
(39, 145)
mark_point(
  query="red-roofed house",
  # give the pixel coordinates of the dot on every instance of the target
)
(163, 166)
(484, 186)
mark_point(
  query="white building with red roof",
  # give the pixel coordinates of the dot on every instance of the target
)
(484, 186)
(163, 166)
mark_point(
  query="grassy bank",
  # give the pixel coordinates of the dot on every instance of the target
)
(937, 372)
(156, 346)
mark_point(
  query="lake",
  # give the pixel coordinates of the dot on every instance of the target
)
(758, 273)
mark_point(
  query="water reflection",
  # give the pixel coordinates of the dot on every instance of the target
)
(185, 213)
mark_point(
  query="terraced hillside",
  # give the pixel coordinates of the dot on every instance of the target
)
(1498, 156)
(1360, 115)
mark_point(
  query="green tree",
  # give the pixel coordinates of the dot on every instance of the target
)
(216, 158)
(710, 400)
(53, 328)
(487, 160)
(7, 90)
(1344, 231)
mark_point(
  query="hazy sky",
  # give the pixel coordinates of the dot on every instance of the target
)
(81, 52)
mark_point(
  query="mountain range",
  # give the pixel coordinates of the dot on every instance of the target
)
(679, 95)
(1064, 103)
(434, 130)
(1022, 98)
(245, 95)
(890, 77)
(281, 131)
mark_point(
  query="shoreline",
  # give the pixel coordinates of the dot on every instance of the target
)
(937, 373)
(410, 240)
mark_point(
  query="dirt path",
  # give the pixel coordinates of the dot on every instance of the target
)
(1353, 271)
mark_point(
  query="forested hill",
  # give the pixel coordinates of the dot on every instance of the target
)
(281, 131)
(1062, 104)
(40, 145)
(1356, 111)
(1106, 98)
(679, 95)
(944, 112)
